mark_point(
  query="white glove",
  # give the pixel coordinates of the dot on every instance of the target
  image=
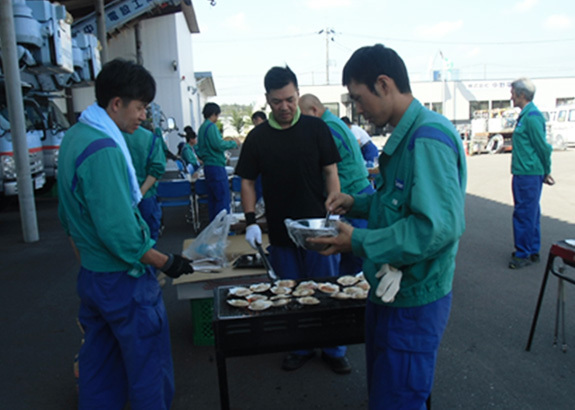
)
(254, 235)
(389, 283)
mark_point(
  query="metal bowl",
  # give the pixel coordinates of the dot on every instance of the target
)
(301, 229)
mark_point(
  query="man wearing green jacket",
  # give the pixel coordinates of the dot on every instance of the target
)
(415, 220)
(149, 162)
(126, 355)
(351, 169)
(211, 150)
(531, 168)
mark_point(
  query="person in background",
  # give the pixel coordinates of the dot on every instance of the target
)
(126, 355)
(188, 153)
(296, 158)
(368, 148)
(416, 218)
(258, 117)
(211, 150)
(531, 168)
(149, 163)
(351, 169)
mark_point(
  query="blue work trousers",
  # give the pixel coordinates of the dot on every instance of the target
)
(126, 353)
(527, 214)
(298, 263)
(351, 264)
(401, 350)
(218, 187)
(152, 213)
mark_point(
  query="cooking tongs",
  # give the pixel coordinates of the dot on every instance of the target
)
(267, 265)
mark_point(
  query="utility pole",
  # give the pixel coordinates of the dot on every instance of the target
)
(17, 122)
(328, 32)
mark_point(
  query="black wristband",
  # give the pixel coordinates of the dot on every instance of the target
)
(168, 263)
(250, 218)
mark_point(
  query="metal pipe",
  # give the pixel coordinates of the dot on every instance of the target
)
(102, 33)
(17, 124)
(138, 35)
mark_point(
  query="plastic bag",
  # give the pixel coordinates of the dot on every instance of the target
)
(211, 243)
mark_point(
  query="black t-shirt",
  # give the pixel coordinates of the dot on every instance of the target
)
(291, 163)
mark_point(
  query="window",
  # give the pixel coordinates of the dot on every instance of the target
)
(571, 115)
(497, 104)
(437, 107)
(333, 107)
(477, 106)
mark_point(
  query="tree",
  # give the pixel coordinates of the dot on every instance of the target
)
(239, 120)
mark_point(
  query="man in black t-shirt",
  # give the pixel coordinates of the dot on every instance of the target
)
(296, 157)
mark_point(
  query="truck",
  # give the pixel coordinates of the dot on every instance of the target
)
(491, 131)
(35, 134)
(50, 60)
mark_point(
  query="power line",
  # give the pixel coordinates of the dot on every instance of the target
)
(467, 43)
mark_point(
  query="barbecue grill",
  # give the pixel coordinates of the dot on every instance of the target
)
(241, 332)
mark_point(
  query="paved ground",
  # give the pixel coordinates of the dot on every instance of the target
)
(482, 361)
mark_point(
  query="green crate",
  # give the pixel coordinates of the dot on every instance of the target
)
(202, 316)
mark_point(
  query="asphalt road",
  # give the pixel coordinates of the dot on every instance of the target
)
(482, 360)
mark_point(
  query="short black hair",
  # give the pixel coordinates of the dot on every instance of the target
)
(259, 114)
(346, 120)
(124, 79)
(278, 77)
(211, 109)
(367, 63)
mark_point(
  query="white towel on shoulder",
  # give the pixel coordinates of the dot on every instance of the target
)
(96, 117)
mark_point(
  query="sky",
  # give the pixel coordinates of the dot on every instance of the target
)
(240, 40)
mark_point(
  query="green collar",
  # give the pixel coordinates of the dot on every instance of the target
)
(274, 124)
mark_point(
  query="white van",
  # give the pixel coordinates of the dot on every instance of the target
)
(562, 125)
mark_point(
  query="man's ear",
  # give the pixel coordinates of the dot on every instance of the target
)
(115, 104)
(384, 82)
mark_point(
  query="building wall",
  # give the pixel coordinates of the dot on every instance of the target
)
(455, 96)
(164, 39)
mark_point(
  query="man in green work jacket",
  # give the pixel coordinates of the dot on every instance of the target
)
(531, 168)
(415, 220)
(211, 150)
(351, 169)
(126, 353)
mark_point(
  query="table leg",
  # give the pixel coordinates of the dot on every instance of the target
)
(539, 300)
(222, 380)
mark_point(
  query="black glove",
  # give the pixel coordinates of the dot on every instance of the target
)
(176, 266)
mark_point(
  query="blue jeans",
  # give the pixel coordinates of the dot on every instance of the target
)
(218, 186)
(401, 351)
(126, 352)
(297, 263)
(527, 214)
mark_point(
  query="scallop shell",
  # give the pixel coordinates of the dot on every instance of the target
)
(259, 305)
(308, 284)
(281, 290)
(238, 302)
(277, 297)
(360, 295)
(239, 291)
(260, 287)
(353, 290)
(308, 300)
(340, 295)
(286, 283)
(281, 302)
(328, 287)
(348, 280)
(362, 284)
(303, 292)
(256, 296)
